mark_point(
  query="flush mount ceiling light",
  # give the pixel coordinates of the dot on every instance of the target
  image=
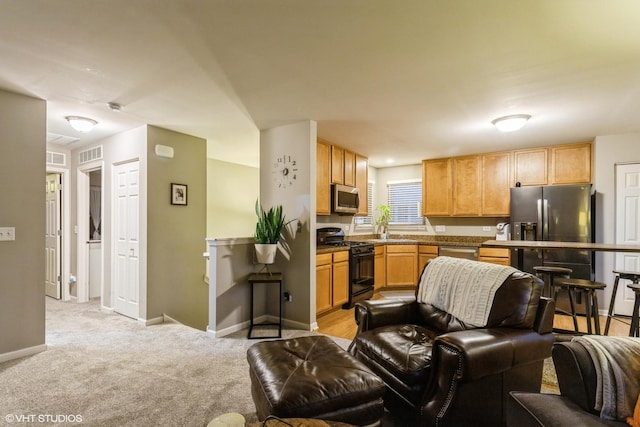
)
(81, 124)
(511, 123)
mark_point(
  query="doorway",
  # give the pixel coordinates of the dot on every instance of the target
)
(53, 234)
(627, 230)
(90, 271)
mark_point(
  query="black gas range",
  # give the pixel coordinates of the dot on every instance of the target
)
(361, 262)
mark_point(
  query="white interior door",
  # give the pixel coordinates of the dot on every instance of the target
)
(627, 229)
(52, 236)
(126, 265)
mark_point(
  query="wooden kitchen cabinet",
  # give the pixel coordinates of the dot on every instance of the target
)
(530, 166)
(570, 164)
(495, 255)
(436, 187)
(340, 294)
(362, 183)
(332, 280)
(466, 186)
(337, 165)
(425, 253)
(323, 178)
(402, 265)
(379, 267)
(496, 184)
(349, 162)
(324, 282)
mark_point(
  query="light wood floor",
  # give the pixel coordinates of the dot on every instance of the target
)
(341, 323)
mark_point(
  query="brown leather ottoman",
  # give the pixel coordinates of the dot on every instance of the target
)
(312, 377)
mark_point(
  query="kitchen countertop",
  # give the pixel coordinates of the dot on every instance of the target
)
(474, 241)
(526, 244)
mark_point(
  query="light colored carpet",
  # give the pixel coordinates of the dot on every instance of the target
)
(113, 371)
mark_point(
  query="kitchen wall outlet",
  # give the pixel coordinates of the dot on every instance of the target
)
(486, 228)
(440, 228)
(7, 233)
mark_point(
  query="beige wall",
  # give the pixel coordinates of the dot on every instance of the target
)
(608, 151)
(232, 191)
(297, 140)
(22, 177)
(176, 234)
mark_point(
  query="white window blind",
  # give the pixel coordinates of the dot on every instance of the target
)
(367, 220)
(404, 200)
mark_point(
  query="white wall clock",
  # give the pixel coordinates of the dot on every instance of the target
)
(285, 171)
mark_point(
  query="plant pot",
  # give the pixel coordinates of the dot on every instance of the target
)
(266, 252)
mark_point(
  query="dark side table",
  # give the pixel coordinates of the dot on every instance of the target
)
(266, 278)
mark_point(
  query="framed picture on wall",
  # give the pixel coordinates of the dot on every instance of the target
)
(178, 194)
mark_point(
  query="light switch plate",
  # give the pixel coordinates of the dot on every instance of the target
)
(440, 229)
(486, 228)
(7, 233)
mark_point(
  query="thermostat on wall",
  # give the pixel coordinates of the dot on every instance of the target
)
(164, 151)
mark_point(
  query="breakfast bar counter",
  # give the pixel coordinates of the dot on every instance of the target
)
(528, 244)
(543, 245)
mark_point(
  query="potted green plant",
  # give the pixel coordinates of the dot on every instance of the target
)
(382, 220)
(268, 232)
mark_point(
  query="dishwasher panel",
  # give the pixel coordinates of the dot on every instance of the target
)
(466, 252)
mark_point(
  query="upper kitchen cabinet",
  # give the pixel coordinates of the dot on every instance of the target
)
(570, 164)
(362, 183)
(349, 168)
(496, 184)
(323, 178)
(436, 187)
(466, 186)
(530, 166)
(337, 165)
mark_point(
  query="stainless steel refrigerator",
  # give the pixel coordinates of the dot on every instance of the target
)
(562, 213)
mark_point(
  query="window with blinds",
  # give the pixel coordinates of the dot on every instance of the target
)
(367, 220)
(404, 200)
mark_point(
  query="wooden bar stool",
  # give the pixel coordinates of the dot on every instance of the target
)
(587, 288)
(634, 330)
(548, 274)
(620, 274)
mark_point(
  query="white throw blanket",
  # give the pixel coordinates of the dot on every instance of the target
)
(462, 287)
(617, 363)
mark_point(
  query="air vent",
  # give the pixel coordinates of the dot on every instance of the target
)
(56, 159)
(54, 138)
(90, 155)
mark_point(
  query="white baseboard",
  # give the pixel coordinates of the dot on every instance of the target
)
(286, 323)
(231, 329)
(154, 321)
(106, 309)
(29, 351)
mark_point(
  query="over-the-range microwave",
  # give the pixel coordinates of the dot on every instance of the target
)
(345, 199)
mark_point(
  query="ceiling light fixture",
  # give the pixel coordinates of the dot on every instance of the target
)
(511, 123)
(81, 124)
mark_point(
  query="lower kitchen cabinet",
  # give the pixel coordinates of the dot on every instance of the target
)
(324, 282)
(332, 280)
(402, 265)
(340, 278)
(495, 256)
(425, 253)
(379, 266)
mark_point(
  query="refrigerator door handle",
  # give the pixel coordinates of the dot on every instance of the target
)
(539, 224)
(545, 224)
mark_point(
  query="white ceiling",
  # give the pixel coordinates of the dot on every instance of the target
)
(407, 80)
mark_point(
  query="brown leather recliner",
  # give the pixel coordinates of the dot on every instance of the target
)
(439, 371)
